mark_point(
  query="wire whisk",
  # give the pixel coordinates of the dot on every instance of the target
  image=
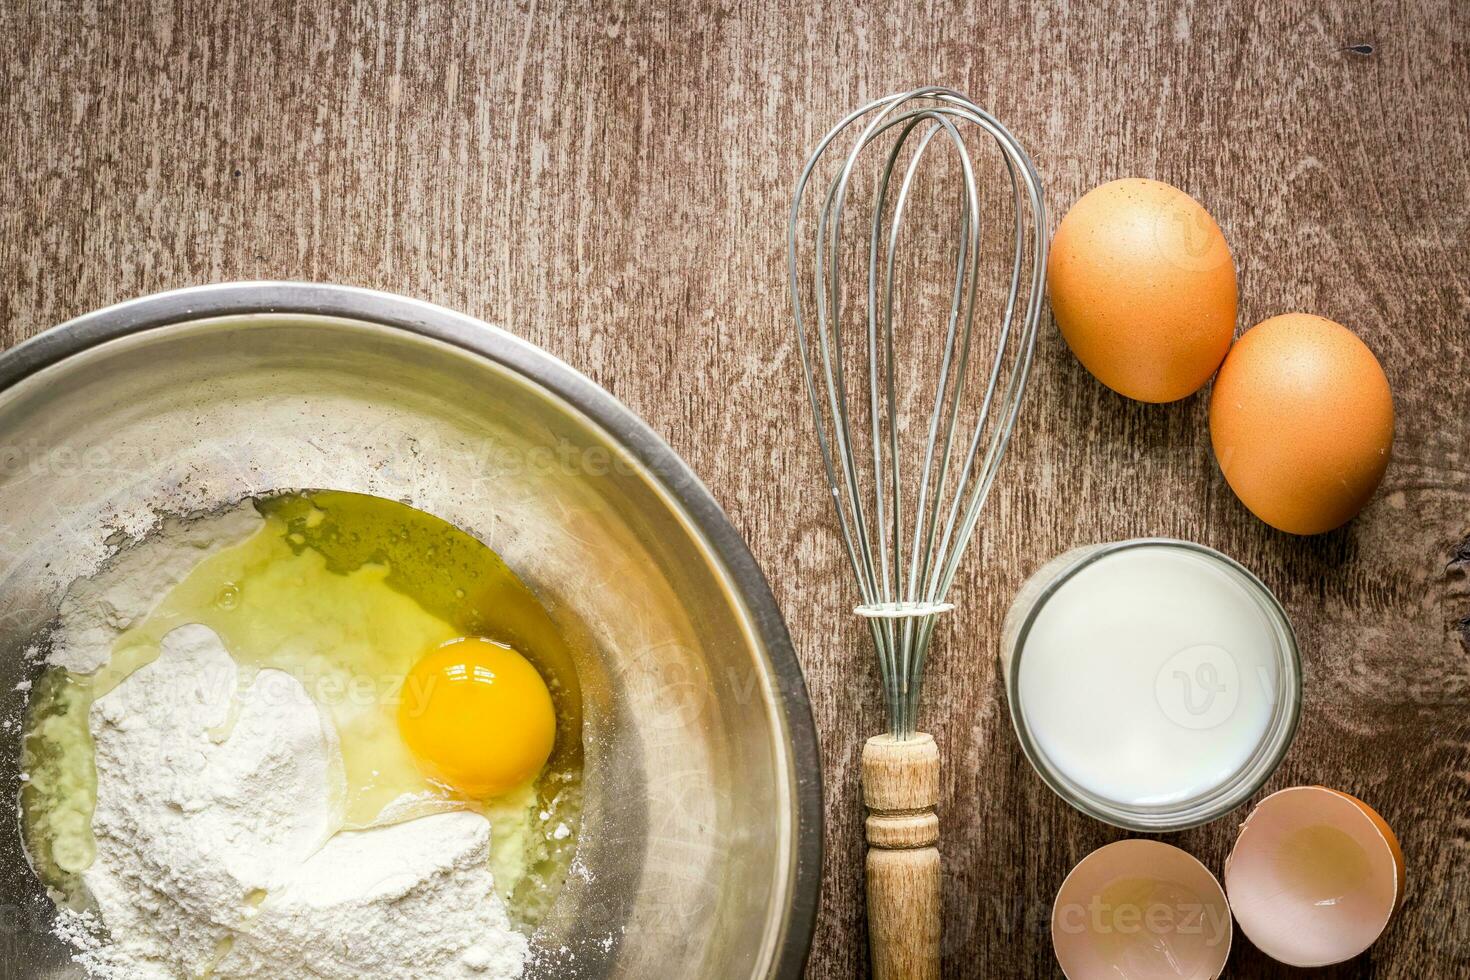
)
(909, 496)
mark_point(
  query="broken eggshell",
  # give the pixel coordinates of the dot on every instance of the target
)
(1141, 910)
(1315, 876)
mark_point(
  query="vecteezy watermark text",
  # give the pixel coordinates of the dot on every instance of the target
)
(1160, 919)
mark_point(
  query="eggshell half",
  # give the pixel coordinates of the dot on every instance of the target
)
(1315, 876)
(1143, 288)
(1141, 910)
(1301, 419)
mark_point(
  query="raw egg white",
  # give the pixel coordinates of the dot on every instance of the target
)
(1143, 288)
(1315, 876)
(1301, 419)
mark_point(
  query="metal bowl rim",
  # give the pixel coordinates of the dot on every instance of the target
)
(492, 343)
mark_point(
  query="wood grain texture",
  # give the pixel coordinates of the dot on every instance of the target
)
(905, 884)
(904, 913)
(609, 181)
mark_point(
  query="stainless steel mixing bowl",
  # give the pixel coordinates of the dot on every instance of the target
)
(701, 841)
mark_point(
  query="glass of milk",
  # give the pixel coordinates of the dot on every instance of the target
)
(1154, 684)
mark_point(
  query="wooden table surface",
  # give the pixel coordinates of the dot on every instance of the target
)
(610, 183)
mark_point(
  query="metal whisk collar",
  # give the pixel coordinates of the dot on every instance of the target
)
(904, 568)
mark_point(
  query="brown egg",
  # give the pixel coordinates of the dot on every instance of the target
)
(1143, 288)
(1301, 419)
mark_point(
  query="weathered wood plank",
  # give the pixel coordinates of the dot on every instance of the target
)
(610, 182)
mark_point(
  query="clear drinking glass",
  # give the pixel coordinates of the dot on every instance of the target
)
(1280, 676)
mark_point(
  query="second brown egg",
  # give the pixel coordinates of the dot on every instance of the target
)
(1301, 419)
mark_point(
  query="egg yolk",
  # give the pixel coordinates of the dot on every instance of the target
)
(477, 717)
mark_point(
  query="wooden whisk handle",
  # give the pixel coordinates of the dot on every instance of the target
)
(900, 790)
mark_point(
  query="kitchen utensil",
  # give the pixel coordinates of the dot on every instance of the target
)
(700, 849)
(880, 467)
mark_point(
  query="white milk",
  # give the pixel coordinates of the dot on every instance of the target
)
(1150, 676)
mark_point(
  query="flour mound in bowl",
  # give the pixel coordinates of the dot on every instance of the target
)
(217, 777)
(410, 900)
(215, 855)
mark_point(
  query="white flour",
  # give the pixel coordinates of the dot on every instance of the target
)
(410, 900)
(216, 851)
(96, 609)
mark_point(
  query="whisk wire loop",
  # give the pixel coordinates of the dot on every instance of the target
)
(906, 558)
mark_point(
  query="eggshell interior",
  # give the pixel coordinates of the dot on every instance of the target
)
(1314, 877)
(1141, 910)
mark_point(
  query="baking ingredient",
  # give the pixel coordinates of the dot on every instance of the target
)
(412, 900)
(348, 638)
(477, 717)
(1143, 288)
(1150, 676)
(97, 609)
(1141, 910)
(1301, 419)
(332, 589)
(1315, 876)
(201, 795)
(322, 603)
(216, 853)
